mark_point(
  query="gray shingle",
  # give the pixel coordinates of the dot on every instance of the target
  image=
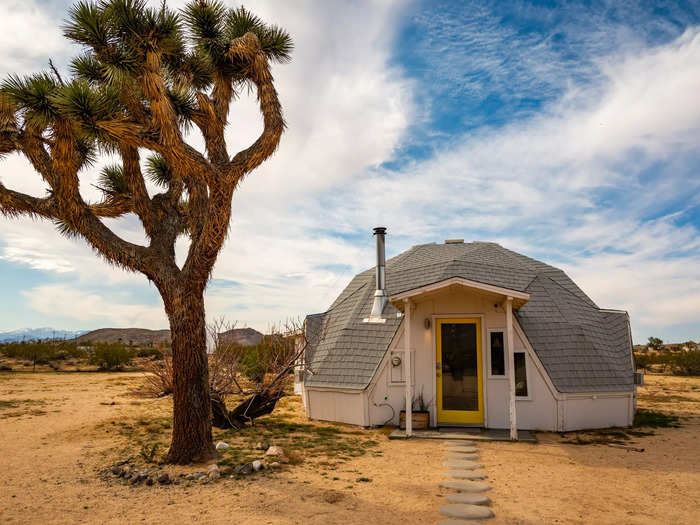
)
(582, 347)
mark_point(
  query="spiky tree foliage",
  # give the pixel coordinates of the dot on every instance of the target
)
(146, 75)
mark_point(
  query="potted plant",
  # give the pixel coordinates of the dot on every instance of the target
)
(420, 415)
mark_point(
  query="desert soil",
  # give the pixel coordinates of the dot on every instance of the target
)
(57, 432)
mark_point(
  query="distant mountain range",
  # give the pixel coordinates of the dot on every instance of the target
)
(129, 336)
(242, 336)
(33, 334)
(142, 336)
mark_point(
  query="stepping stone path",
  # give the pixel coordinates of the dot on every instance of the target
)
(458, 522)
(466, 465)
(463, 510)
(468, 498)
(461, 450)
(466, 486)
(462, 456)
(466, 474)
(467, 503)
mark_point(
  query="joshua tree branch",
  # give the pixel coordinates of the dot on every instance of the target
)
(13, 203)
(155, 90)
(212, 127)
(137, 187)
(205, 247)
(259, 73)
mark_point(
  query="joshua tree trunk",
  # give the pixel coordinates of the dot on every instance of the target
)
(192, 440)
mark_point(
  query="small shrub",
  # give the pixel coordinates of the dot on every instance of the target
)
(148, 351)
(686, 363)
(110, 356)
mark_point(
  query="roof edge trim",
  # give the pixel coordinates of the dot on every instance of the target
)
(516, 294)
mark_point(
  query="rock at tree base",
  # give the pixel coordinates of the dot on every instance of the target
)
(274, 450)
(261, 446)
(222, 445)
(257, 465)
(164, 479)
(213, 472)
(244, 469)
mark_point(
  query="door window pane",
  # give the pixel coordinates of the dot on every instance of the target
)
(498, 361)
(460, 380)
(520, 374)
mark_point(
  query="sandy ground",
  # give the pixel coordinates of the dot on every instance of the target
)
(53, 443)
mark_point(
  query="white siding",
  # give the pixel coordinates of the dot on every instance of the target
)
(597, 411)
(343, 407)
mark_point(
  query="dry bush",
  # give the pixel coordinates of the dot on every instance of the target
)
(273, 361)
(159, 374)
(259, 373)
(224, 360)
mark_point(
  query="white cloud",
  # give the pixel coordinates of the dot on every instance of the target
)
(88, 308)
(29, 36)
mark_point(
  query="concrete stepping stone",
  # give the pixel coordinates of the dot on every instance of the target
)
(462, 457)
(463, 510)
(460, 443)
(465, 486)
(465, 474)
(459, 522)
(464, 465)
(468, 498)
(465, 450)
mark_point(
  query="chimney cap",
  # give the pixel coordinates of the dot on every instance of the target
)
(454, 241)
(379, 230)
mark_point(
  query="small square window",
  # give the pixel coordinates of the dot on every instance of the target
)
(520, 374)
(498, 361)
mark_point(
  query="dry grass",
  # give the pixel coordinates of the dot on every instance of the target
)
(327, 444)
(338, 473)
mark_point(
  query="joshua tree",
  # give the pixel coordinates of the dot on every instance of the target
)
(654, 343)
(146, 76)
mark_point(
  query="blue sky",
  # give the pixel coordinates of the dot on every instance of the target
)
(566, 131)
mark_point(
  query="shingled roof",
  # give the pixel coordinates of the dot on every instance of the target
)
(583, 348)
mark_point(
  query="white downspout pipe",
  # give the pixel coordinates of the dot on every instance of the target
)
(407, 358)
(511, 370)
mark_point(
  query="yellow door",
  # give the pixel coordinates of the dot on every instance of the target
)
(459, 375)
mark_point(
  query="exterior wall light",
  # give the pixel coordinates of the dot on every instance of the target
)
(426, 323)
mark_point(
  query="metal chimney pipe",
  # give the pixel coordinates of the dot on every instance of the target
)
(380, 233)
(380, 297)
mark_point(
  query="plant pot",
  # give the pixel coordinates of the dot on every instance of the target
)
(420, 419)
